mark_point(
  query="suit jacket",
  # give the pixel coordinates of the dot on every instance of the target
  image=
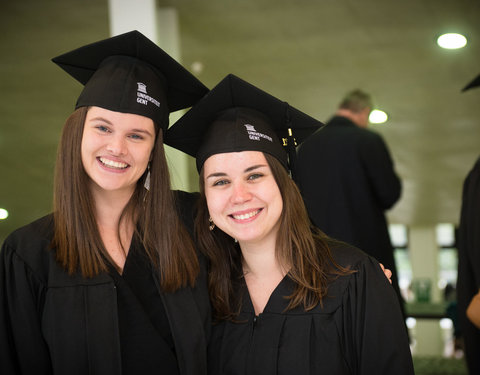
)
(468, 282)
(347, 179)
(55, 323)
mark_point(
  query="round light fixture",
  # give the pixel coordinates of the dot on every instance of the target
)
(377, 116)
(411, 322)
(3, 214)
(452, 41)
(197, 67)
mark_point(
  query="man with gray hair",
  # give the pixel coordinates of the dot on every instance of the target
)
(348, 181)
(356, 106)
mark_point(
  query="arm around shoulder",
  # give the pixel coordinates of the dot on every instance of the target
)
(381, 334)
(473, 310)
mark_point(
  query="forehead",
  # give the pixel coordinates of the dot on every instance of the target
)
(119, 117)
(233, 161)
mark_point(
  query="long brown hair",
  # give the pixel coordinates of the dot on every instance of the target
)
(299, 244)
(77, 240)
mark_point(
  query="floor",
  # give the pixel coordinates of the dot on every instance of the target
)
(433, 348)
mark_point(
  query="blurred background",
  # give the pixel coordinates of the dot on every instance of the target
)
(309, 53)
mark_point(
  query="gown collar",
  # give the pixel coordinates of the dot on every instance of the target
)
(277, 303)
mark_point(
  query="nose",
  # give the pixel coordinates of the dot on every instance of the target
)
(117, 146)
(240, 193)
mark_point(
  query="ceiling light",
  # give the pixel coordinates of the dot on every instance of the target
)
(3, 214)
(377, 116)
(446, 323)
(411, 322)
(451, 41)
(197, 67)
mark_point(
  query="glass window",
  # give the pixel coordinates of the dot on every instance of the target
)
(399, 238)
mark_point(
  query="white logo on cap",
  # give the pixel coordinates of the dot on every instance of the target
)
(254, 135)
(142, 87)
(142, 96)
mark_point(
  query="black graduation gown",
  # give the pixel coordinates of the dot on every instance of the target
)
(146, 340)
(347, 179)
(468, 282)
(359, 330)
(54, 323)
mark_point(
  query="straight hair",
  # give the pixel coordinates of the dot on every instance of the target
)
(299, 245)
(77, 240)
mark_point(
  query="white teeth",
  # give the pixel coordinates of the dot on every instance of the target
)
(113, 164)
(246, 216)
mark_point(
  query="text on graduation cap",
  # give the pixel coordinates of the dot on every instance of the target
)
(142, 96)
(254, 135)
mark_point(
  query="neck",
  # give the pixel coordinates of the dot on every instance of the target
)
(108, 209)
(262, 273)
(360, 119)
(109, 206)
(260, 261)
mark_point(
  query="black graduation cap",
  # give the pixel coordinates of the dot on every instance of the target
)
(237, 116)
(129, 73)
(474, 83)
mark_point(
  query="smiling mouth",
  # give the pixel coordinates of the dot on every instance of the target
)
(113, 164)
(246, 216)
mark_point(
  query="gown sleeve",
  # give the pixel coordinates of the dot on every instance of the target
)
(380, 333)
(22, 347)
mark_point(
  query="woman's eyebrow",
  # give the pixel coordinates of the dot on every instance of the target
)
(99, 118)
(253, 167)
(216, 174)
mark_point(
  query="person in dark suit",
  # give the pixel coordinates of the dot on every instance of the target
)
(468, 281)
(347, 179)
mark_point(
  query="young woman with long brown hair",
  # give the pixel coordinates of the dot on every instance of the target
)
(287, 299)
(110, 282)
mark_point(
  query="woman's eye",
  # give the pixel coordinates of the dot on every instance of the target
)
(220, 183)
(136, 136)
(102, 128)
(255, 176)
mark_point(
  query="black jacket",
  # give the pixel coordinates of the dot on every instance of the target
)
(348, 181)
(53, 323)
(468, 282)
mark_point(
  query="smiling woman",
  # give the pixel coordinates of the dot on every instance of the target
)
(116, 149)
(110, 281)
(243, 197)
(287, 299)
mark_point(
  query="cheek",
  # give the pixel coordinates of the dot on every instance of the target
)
(145, 156)
(213, 203)
(280, 206)
(84, 150)
(90, 143)
(276, 199)
(209, 199)
(151, 147)
(142, 155)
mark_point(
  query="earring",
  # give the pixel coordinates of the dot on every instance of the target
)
(212, 224)
(146, 184)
